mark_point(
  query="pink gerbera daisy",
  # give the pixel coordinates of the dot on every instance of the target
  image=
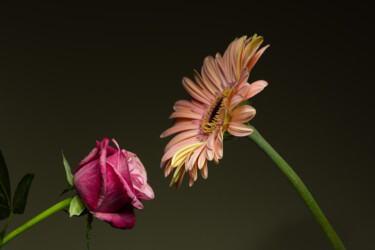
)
(217, 106)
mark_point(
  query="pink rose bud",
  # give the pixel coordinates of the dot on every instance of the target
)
(111, 183)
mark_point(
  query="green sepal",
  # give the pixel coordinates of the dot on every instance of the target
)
(68, 171)
(246, 102)
(82, 214)
(227, 136)
(5, 201)
(76, 206)
(21, 194)
(88, 229)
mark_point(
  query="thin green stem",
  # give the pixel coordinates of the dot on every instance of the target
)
(43, 215)
(300, 187)
(8, 221)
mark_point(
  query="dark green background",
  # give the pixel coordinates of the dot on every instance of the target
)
(70, 75)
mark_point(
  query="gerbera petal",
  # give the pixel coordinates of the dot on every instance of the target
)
(216, 158)
(204, 171)
(221, 71)
(255, 58)
(194, 157)
(178, 127)
(219, 149)
(168, 168)
(243, 78)
(209, 73)
(180, 137)
(184, 104)
(214, 108)
(191, 181)
(177, 172)
(193, 173)
(239, 48)
(243, 114)
(180, 178)
(255, 88)
(205, 85)
(252, 47)
(211, 140)
(194, 91)
(181, 155)
(229, 61)
(185, 114)
(239, 129)
(237, 99)
(244, 89)
(210, 154)
(202, 158)
(170, 152)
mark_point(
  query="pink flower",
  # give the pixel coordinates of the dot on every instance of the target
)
(111, 183)
(216, 106)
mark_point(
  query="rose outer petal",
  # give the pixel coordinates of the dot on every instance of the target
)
(145, 193)
(87, 183)
(113, 197)
(139, 177)
(93, 155)
(120, 167)
(124, 219)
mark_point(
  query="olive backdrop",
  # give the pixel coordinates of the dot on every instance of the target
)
(70, 75)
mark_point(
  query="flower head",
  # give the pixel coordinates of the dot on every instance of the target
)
(111, 182)
(216, 106)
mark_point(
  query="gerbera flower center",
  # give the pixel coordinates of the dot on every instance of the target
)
(214, 116)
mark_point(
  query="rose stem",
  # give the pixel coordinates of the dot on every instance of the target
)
(299, 186)
(43, 215)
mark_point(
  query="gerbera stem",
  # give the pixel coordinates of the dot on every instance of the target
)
(300, 187)
(43, 215)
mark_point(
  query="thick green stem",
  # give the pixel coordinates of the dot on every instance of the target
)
(299, 186)
(59, 206)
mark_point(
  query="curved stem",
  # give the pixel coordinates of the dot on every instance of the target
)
(8, 221)
(6, 225)
(43, 215)
(299, 186)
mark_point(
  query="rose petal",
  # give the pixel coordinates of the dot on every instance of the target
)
(124, 218)
(118, 163)
(146, 193)
(115, 195)
(87, 183)
(93, 155)
(139, 177)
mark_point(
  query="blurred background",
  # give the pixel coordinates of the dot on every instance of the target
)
(70, 75)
